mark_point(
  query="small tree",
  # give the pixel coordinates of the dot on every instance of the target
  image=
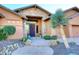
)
(59, 19)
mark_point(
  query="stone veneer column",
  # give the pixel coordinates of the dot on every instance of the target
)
(43, 28)
(24, 23)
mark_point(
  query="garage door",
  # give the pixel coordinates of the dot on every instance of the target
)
(75, 30)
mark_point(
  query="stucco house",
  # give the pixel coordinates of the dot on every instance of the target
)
(72, 29)
(35, 21)
(8, 17)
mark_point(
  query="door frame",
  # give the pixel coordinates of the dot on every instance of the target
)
(29, 22)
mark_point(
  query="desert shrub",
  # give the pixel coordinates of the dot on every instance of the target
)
(3, 35)
(54, 37)
(24, 39)
(58, 42)
(9, 29)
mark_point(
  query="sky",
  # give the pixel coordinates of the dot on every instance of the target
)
(50, 7)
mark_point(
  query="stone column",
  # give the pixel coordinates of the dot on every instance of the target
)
(43, 28)
(24, 23)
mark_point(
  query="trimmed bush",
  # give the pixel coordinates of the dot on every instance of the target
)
(9, 29)
(48, 37)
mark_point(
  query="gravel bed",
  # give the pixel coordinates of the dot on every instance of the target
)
(8, 46)
(61, 50)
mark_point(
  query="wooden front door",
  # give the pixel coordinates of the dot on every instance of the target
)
(32, 30)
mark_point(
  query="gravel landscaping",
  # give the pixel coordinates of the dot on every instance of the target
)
(7, 47)
(61, 50)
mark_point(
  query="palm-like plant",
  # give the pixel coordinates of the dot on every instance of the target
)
(59, 19)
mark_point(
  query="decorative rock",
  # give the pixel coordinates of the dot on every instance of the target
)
(6, 52)
(8, 46)
(9, 52)
(52, 42)
(15, 46)
(11, 47)
(4, 48)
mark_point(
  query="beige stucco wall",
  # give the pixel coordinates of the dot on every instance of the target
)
(12, 19)
(73, 30)
(33, 12)
(74, 24)
(74, 21)
(48, 27)
(9, 15)
(70, 13)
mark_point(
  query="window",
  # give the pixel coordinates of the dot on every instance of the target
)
(37, 29)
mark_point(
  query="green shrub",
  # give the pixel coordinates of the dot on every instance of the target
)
(3, 35)
(58, 42)
(54, 37)
(9, 29)
(24, 39)
(6, 31)
(48, 37)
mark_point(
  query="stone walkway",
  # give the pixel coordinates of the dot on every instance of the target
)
(58, 49)
(34, 50)
(39, 42)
